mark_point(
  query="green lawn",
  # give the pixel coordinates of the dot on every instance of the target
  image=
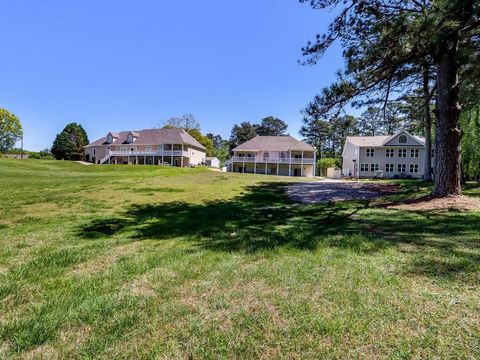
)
(152, 262)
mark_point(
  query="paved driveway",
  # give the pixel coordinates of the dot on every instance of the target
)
(337, 190)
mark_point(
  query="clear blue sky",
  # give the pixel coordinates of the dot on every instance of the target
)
(121, 65)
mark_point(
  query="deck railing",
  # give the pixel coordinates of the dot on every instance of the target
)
(271, 160)
(150, 153)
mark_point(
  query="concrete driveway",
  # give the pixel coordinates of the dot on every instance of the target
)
(337, 190)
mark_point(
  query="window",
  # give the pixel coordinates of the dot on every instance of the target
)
(414, 168)
(149, 149)
(414, 153)
(108, 150)
(401, 168)
(370, 152)
(402, 152)
(123, 150)
(109, 139)
(373, 167)
(389, 167)
(402, 139)
(433, 153)
(363, 167)
(130, 138)
(266, 155)
(94, 152)
(390, 152)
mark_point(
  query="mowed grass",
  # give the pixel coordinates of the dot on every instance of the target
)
(154, 262)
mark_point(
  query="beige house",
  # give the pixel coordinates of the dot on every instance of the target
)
(401, 155)
(172, 146)
(273, 155)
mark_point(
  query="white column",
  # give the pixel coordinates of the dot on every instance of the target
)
(289, 162)
(171, 163)
(266, 163)
(278, 162)
(301, 171)
(315, 163)
(163, 149)
(153, 160)
(181, 161)
(255, 164)
(243, 168)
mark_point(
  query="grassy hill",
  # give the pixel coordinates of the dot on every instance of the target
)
(155, 262)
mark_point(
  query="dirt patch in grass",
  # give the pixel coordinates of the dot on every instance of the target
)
(69, 340)
(428, 203)
(223, 306)
(105, 261)
(140, 287)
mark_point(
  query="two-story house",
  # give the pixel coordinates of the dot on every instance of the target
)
(167, 146)
(273, 155)
(400, 155)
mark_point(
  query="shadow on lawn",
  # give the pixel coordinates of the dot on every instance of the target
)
(262, 218)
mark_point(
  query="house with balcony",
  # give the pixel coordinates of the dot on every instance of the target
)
(400, 155)
(274, 155)
(167, 146)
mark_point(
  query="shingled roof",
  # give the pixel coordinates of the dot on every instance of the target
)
(274, 143)
(152, 137)
(377, 141)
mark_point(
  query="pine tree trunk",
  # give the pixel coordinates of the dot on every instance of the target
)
(447, 132)
(478, 173)
(427, 123)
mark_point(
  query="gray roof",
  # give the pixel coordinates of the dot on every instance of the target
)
(274, 143)
(376, 141)
(152, 137)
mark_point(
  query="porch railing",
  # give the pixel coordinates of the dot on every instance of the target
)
(271, 160)
(150, 153)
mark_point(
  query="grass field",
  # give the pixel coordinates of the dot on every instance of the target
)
(151, 262)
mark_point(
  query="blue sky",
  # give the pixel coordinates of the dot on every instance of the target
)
(121, 65)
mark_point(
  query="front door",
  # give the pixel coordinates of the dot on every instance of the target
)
(297, 172)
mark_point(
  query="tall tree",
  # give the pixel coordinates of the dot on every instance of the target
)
(370, 122)
(316, 132)
(272, 126)
(386, 42)
(202, 139)
(10, 130)
(186, 122)
(340, 128)
(242, 133)
(69, 144)
(470, 121)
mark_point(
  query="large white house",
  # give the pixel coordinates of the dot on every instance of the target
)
(399, 155)
(167, 146)
(273, 155)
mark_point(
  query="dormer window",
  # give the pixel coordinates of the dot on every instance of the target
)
(111, 137)
(132, 136)
(402, 139)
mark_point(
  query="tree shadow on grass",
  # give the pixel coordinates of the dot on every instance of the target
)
(262, 218)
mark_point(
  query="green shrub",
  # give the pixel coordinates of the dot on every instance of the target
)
(325, 163)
